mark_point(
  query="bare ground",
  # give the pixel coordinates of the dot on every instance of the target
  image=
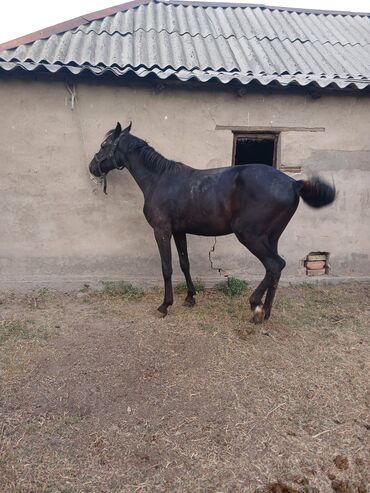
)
(99, 395)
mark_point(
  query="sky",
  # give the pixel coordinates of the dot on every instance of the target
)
(20, 17)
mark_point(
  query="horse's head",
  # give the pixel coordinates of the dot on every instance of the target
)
(108, 157)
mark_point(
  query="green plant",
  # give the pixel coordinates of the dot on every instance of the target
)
(206, 327)
(182, 287)
(43, 292)
(122, 288)
(13, 329)
(232, 287)
(22, 329)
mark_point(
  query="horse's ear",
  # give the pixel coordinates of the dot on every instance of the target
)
(128, 128)
(118, 130)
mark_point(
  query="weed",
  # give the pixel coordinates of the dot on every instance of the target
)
(122, 288)
(43, 292)
(21, 329)
(182, 287)
(232, 287)
(13, 329)
(206, 327)
(157, 290)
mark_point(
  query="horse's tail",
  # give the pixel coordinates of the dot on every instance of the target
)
(316, 192)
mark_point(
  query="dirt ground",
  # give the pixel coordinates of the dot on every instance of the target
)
(97, 394)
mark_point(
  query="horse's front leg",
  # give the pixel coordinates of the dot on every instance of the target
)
(182, 249)
(163, 239)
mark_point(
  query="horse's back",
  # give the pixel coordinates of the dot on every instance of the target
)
(264, 182)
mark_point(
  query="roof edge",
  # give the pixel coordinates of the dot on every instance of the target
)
(70, 24)
(84, 19)
(184, 75)
(302, 10)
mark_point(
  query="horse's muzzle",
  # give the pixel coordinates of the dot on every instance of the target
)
(94, 169)
(97, 175)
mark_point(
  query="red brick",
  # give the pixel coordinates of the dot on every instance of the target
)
(315, 264)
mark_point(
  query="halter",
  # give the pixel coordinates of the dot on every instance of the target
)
(112, 158)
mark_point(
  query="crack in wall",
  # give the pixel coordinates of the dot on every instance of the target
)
(220, 270)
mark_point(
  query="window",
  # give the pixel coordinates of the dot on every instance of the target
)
(251, 148)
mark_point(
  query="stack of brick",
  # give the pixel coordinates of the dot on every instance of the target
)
(316, 264)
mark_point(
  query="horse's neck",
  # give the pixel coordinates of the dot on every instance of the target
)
(144, 176)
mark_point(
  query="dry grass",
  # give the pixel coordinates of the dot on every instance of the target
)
(99, 395)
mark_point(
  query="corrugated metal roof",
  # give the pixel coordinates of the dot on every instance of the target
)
(209, 41)
(239, 22)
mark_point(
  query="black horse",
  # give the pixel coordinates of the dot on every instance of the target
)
(253, 201)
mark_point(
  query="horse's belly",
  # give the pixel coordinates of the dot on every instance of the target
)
(218, 225)
(209, 232)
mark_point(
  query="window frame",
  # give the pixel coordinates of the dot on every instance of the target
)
(258, 135)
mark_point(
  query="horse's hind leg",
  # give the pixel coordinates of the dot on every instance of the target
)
(267, 254)
(271, 290)
(182, 249)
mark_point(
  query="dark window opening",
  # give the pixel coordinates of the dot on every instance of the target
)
(251, 149)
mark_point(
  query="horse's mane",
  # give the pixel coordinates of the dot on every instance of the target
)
(149, 156)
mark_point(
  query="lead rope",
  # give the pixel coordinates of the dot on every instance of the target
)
(75, 104)
(104, 175)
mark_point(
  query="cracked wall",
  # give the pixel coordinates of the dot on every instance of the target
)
(58, 226)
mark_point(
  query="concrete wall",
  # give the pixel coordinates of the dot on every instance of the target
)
(56, 225)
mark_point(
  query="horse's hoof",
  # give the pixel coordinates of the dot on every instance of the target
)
(189, 302)
(258, 315)
(162, 311)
